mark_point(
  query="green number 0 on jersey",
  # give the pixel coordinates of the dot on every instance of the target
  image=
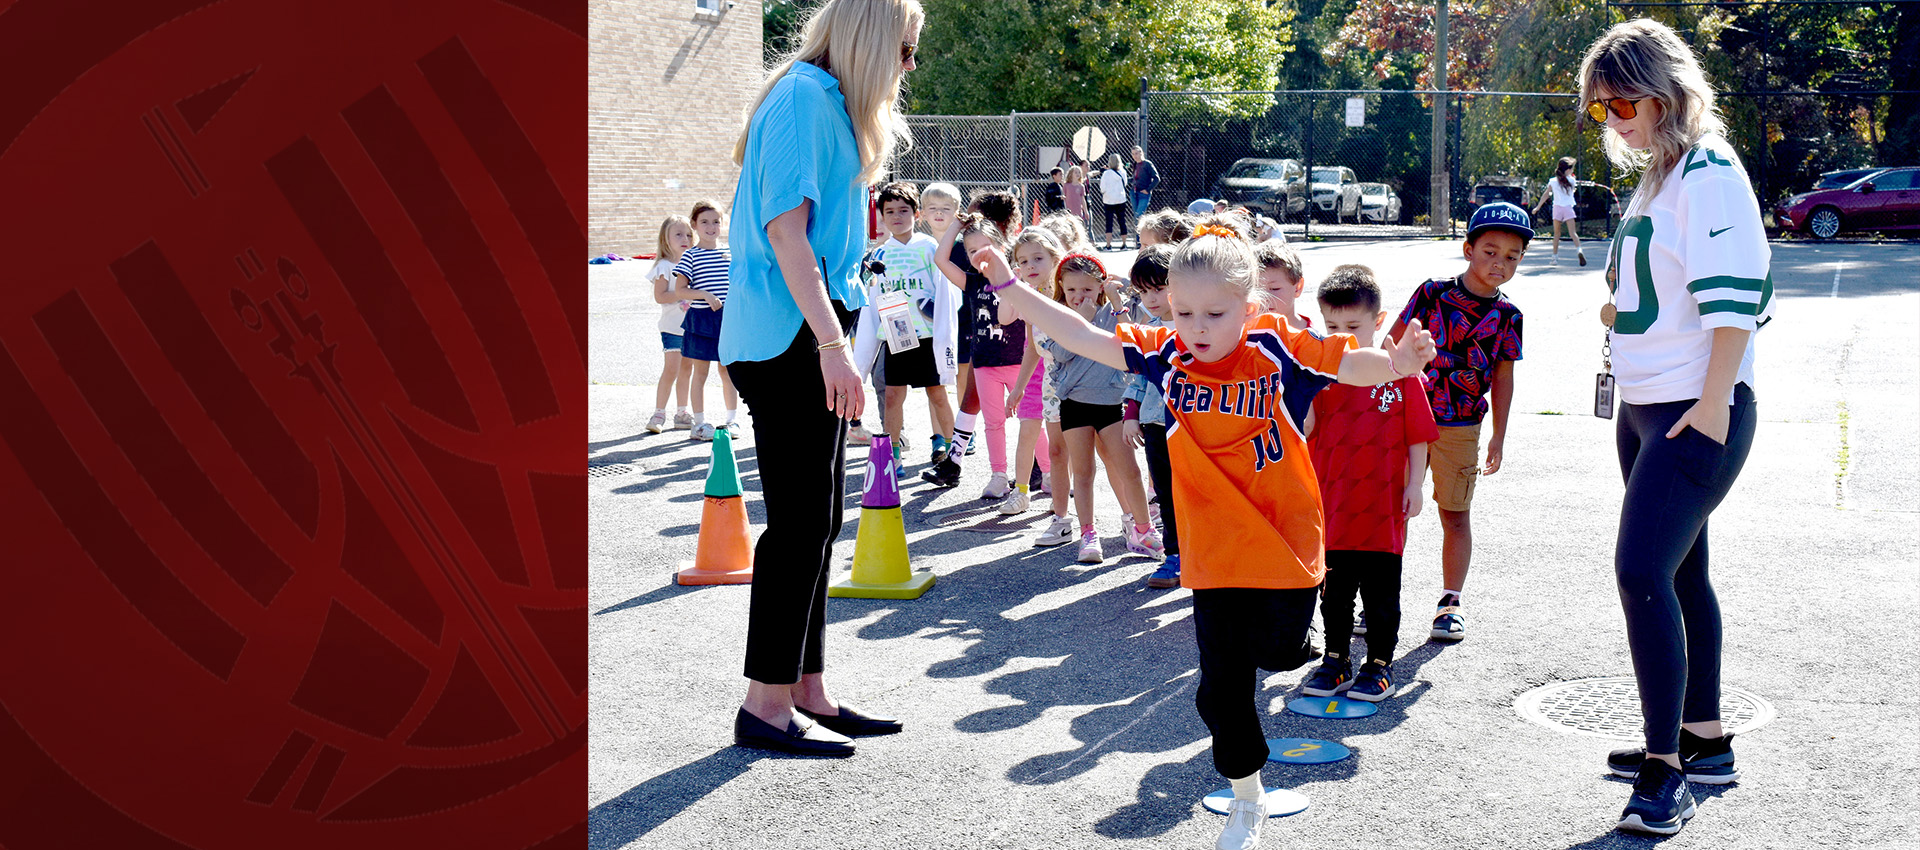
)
(1638, 229)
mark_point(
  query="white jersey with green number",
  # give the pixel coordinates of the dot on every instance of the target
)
(1688, 260)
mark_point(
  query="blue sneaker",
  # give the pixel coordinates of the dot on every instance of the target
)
(1334, 675)
(1168, 575)
(1661, 801)
(1374, 682)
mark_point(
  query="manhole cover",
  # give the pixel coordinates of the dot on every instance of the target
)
(1610, 708)
(610, 469)
(986, 520)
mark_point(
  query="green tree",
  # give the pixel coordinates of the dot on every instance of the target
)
(781, 20)
(992, 56)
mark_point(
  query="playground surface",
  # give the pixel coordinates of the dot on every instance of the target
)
(1049, 703)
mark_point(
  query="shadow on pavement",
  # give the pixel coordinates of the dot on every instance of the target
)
(623, 819)
(663, 593)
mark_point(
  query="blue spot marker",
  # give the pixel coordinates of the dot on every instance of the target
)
(1280, 803)
(1305, 751)
(1338, 707)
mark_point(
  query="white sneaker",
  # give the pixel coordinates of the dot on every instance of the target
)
(996, 487)
(733, 429)
(682, 419)
(1145, 543)
(657, 422)
(703, 432)
(858, 435)
(1059, 531)
(1090, 551)
(1244, 819)
(1153, 513)
(1015, 503)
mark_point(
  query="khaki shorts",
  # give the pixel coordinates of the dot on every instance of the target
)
(1455, 461)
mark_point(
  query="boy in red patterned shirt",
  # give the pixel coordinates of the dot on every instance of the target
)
(1369, 447)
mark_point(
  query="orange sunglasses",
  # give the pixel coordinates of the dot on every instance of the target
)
(1597, 110)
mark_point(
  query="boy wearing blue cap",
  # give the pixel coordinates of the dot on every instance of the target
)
(1476, 331)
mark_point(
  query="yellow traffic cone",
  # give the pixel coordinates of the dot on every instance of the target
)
(880, 566)
(724, 554)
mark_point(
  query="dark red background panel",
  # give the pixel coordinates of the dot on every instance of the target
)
(291, 395)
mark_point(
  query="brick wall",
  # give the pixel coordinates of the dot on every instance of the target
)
(667, 89)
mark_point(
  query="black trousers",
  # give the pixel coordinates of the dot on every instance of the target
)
(1240, 631)
(1116, 212)
(1375, 577)
(800, 447)
(1660, 558)
(1161, 471)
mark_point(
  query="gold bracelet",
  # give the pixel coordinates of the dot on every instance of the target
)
(838, 343)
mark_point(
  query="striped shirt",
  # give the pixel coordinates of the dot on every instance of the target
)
(707, 269)
(1686, 261)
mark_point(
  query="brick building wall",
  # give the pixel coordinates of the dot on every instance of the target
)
(667, 89)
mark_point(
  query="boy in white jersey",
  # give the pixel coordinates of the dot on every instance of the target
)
(902, 270)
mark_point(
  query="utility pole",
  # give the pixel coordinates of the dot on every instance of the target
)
(1440, 207)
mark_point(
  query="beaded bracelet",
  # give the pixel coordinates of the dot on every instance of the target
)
(996, 287)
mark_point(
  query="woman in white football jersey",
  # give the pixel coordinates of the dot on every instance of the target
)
(1689, 275)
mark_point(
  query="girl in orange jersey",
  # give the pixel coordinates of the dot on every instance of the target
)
(1238, 385)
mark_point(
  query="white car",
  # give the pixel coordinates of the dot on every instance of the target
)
(1379, 203)
(1336, 192)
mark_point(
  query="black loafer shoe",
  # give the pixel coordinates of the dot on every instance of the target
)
(853, 722)
(812, 739)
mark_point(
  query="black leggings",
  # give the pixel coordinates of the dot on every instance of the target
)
(1116, 212)
(803, 476)
(1161, 470)
(1375, 576)
(1660, 558)
(1240, 629)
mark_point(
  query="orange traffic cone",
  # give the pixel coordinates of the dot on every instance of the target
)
(725, 552)
(880, 566)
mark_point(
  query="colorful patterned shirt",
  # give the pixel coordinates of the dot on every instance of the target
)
(1471, 335)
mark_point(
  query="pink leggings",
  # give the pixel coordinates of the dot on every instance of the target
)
(994, 382)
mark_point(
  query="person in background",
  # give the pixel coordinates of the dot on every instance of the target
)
(1145, 178)
(703, 273)
(676, 236)
(1075, 193)
(1166, 227)
(1053, 199)
(1560, 188)
(1113, 199)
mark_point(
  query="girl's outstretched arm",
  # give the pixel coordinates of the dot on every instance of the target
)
(943, 256)
(1366, 367)
(1065, 326)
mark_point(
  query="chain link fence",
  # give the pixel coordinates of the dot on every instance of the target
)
(1359, 163)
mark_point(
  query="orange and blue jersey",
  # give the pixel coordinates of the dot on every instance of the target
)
(1246, 499)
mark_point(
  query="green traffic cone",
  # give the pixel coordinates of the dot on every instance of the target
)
(723, 475)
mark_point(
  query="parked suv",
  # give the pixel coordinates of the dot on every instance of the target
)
(1271, 187)
(1883, 200)
(1336, 192)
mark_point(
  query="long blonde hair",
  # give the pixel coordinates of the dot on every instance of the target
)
(858, 42)
(1039, 236)
(1645, 59)
(666, 227)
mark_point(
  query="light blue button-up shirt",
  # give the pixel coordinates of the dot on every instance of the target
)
(800, 147)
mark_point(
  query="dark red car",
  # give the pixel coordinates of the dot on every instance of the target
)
(1884, 200)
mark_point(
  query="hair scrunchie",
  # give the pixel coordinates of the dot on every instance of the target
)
(1221, 231)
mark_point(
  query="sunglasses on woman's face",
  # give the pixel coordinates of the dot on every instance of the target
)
(1597, 110)
(907, 50)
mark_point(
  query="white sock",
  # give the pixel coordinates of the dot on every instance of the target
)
(1247, 787)
(732, 414)
(699, 417)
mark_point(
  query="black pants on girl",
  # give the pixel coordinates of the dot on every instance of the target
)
(1375, 577)
(1660, 558)
(1160, 468)
(803, 477)
(1116, 212)
(1241, 630)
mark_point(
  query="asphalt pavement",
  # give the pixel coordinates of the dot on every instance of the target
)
(1050, 703)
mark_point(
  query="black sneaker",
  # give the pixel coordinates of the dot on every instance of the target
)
(1335, 674)
(1374, 682)
(1661, 801)
(1708, 761)
(946, 473)
(1036, 480)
